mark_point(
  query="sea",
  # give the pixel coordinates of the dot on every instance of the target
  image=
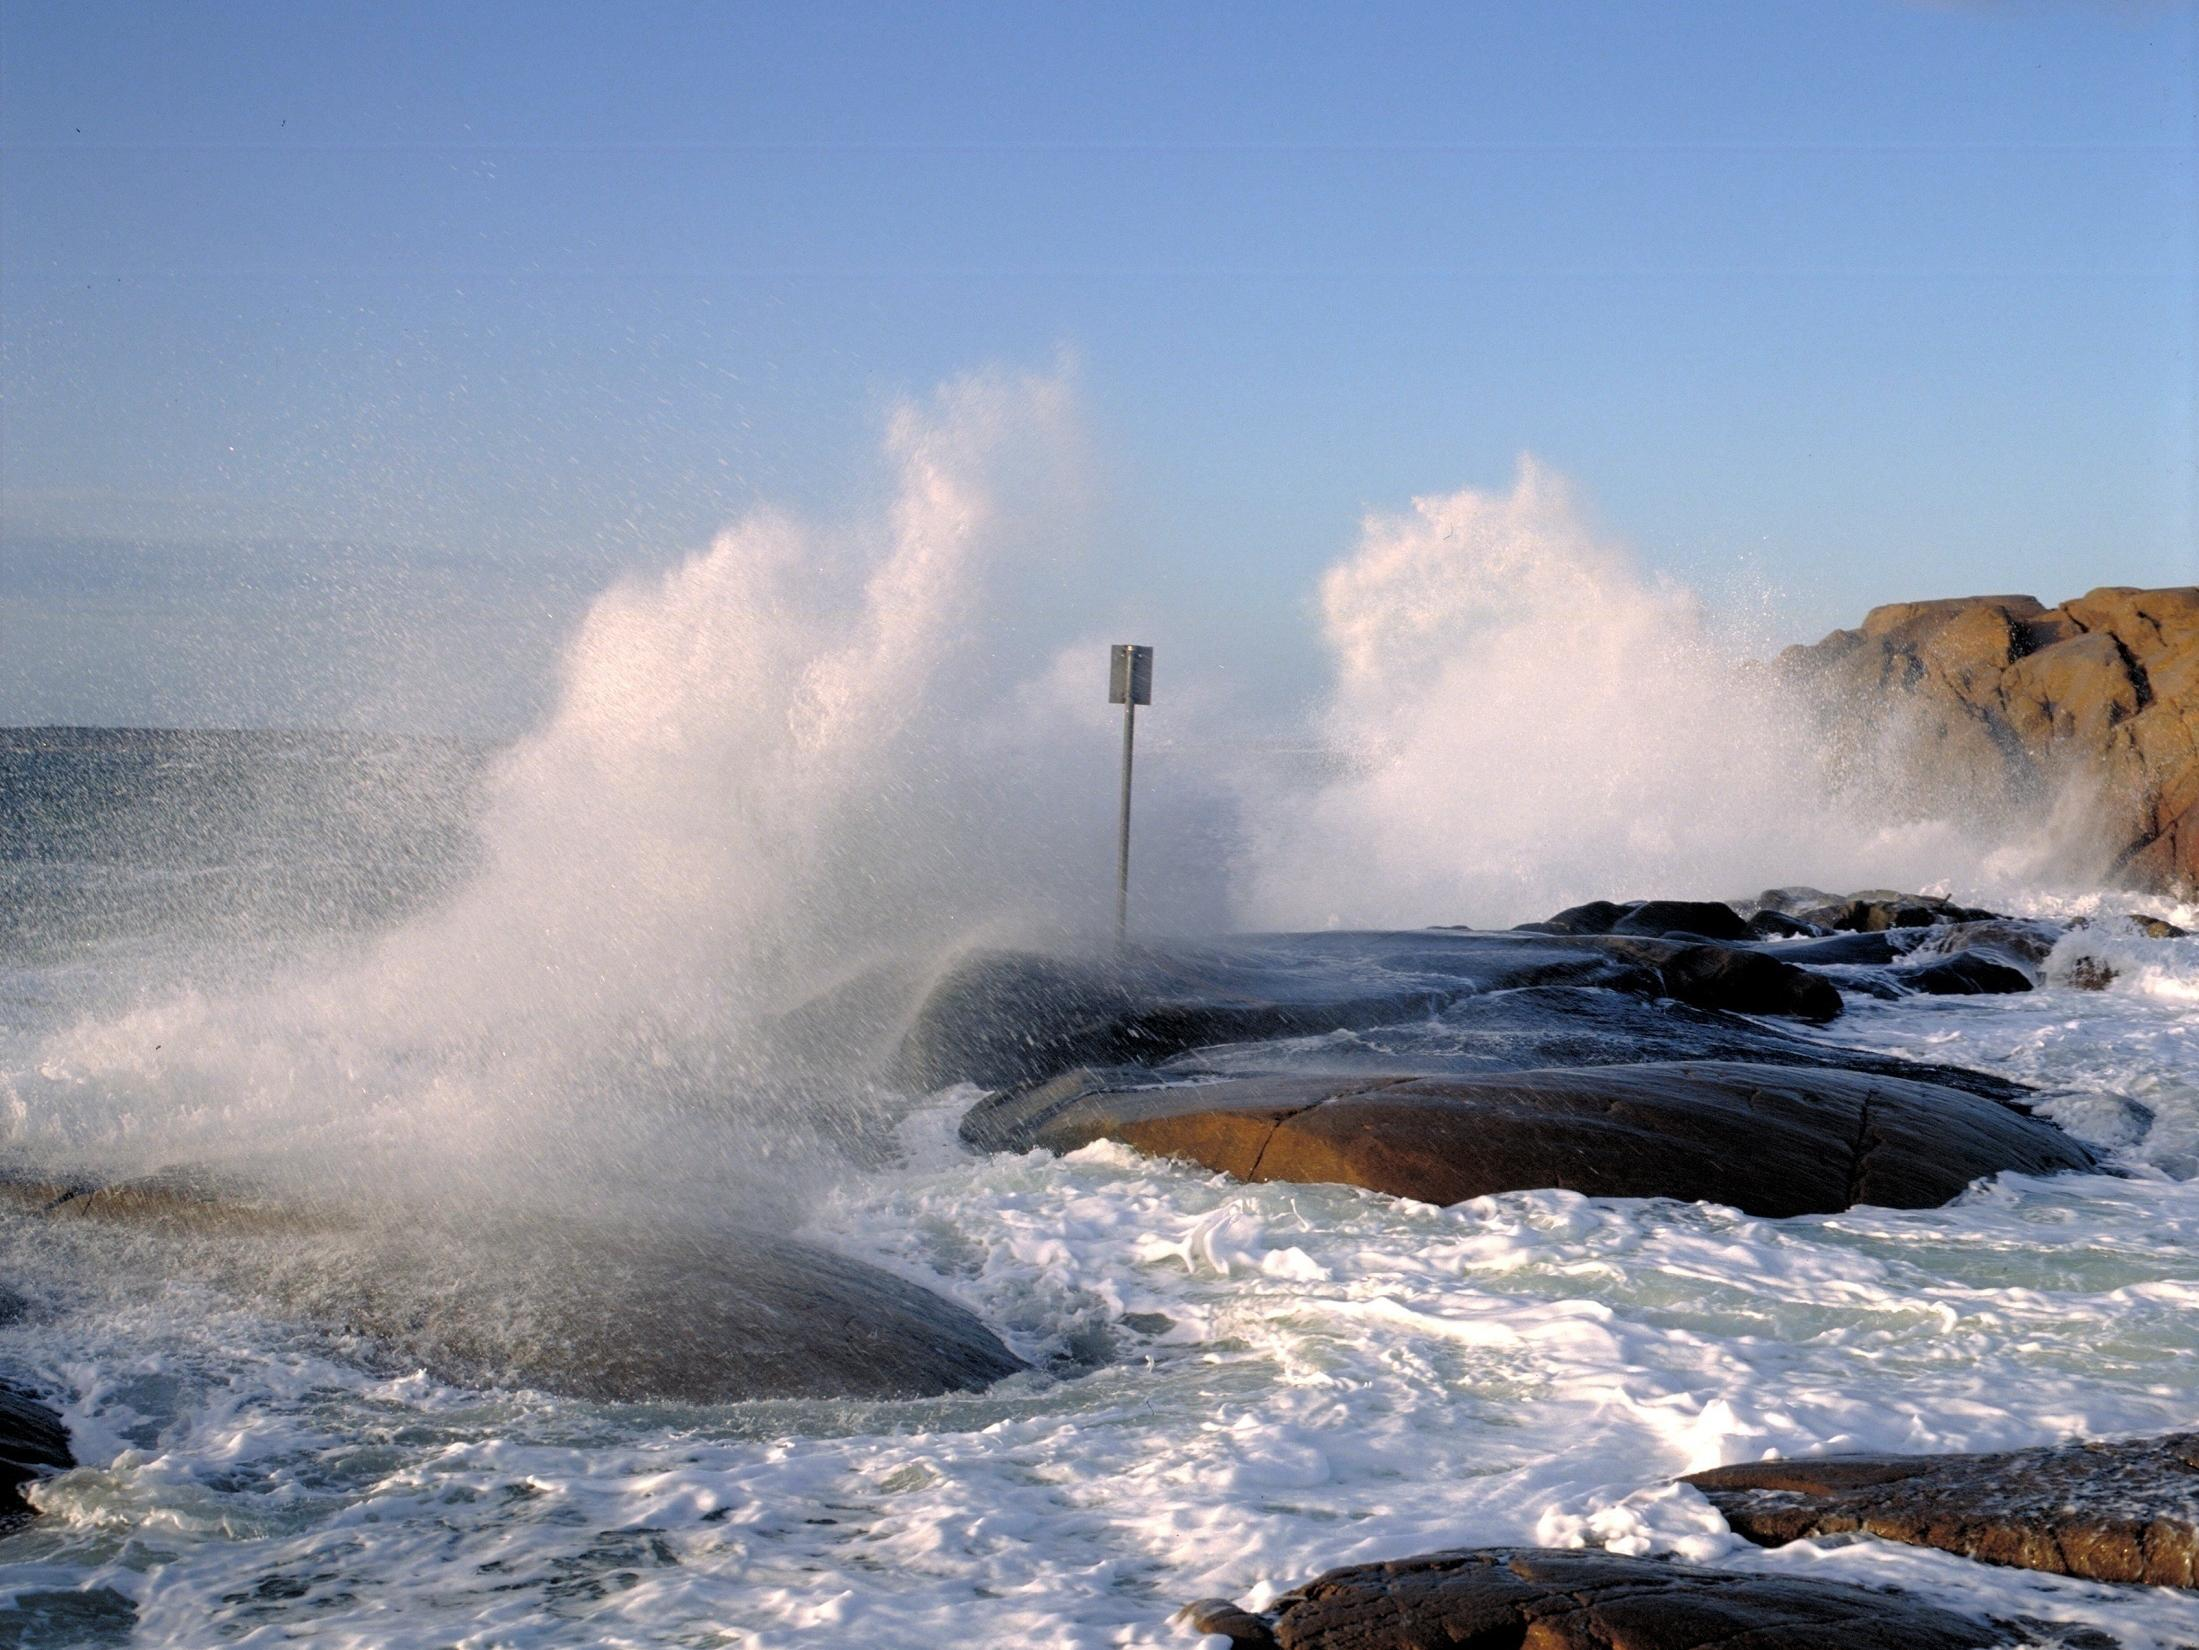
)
(1234, 1386)
(644, 957)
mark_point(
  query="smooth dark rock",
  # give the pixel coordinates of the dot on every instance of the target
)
(1596, 917)
(1705, 918)
(2107, 1512)
(676, 1311)
(33, 1444)
(1499, 1598)
(1777, 925)
(1772, 1141)
(1847, 950)
(1966, 974)
(1748, 982)
(1000, 1017)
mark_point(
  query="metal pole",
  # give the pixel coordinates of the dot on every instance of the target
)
(1122, 858)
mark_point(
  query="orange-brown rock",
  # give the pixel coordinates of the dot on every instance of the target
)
(2107, 1512)
(1769, 1140)
(1992, 701)
(1559, 1599)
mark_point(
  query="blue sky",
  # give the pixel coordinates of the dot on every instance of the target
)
(345, 349)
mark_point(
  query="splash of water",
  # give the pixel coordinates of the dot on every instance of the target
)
(792, 762)
(1529, 719)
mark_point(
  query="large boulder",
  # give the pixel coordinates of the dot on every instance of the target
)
(1562, 1599)
(675, 1310)
(2107, 1512)
(999, 1017)
(1004, 1017)
(33, 1444)
(1770, 1141)
(2001, 701)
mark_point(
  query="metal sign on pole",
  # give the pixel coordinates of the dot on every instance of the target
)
(1129, 684)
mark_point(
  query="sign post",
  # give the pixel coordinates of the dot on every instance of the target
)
(1129, 684)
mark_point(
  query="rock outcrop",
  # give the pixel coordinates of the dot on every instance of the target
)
(1003, 1017)
(1559, 1599)
(1999, 699)
(677, 1311)
(33, 1443)
(1767, 1140)
(2104, 1511)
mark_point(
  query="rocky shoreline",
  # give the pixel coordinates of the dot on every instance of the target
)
(1646, 1049)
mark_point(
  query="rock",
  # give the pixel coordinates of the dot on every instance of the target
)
(678, 1311)
(1967, 974)
(1771, 1141)
(1747, 982)
(1787, 901)
(1777, 925)
(2104, 1511)
(1879, 909)
(1002, 1017)
(1562, 1599)
(1702, 918)
(1557, 1025)
(1996, 701)
(2088, 973)
(1849, 950)
(2011, 939)
(33, 1444)
(1596, 917)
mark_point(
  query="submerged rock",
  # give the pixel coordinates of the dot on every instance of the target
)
(677, 1310)
(1770, 1141)
(1966, 974)
(33, 1444)
(1562, 1599)
(2107, 1512)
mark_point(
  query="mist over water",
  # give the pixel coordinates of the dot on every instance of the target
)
(1531, 719)
(784, 780)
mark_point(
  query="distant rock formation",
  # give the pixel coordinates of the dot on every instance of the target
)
(1998, 699)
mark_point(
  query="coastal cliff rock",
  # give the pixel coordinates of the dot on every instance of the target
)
(2124, 1511)
(2000, 700)
(1770, 1141)
(1561, 1599)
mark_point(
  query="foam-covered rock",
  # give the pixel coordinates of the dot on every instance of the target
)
(1561, 1599)
(2124, 1511)
(33, 1445)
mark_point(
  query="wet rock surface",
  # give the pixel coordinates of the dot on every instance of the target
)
(678, 1312)
(2124, 1511)
(1768, 1140)
(33, 1444)
(1966, 974)
(1001, 1017)
(1555, 1599)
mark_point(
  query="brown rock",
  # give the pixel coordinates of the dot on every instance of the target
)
(1996, 701)
(1556, 1599)
(1768, 1140)
(2107, 1512)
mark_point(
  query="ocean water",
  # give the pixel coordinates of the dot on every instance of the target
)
(644, 955)
(1260, 1382)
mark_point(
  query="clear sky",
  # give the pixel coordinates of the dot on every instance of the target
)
(312, 315)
